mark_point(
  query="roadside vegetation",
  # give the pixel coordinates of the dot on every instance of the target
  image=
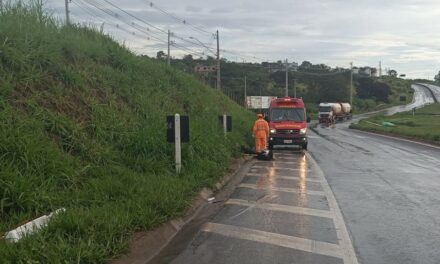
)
(315, 83)
(423, 125)
(82, 127)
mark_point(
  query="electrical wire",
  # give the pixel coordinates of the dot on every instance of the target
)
(115, 15)
(157, 35)
(135, 17)
(104, 21)
(181, 20)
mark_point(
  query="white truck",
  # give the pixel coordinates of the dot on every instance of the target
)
(330, 112)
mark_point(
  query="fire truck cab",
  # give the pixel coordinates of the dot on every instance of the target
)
(288, 122)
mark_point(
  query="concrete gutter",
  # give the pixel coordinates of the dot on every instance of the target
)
(148, 244)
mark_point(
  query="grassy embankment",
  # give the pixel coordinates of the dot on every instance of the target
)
(424, 125)
(82, 126)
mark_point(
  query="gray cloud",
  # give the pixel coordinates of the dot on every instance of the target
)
(400, 33)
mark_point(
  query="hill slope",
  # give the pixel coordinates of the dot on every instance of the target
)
(82, 126)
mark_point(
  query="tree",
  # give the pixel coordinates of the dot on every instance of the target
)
(392, 73)
(437, 78)
(368, 88)
(188, 57)
(306, 65)
(160, 55)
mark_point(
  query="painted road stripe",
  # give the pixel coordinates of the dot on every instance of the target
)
(347, 249)
(276, 176)
(280, 168)
(282, 208)
(281, 189)
(308, 245)
(276, 162)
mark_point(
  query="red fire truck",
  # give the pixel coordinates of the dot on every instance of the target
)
(288, 122)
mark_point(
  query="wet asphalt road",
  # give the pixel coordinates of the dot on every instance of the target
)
(422, 96)
(282, 211)
(353, 198)
(388, 191)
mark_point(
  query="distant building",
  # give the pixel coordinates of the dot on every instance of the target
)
(367, 71)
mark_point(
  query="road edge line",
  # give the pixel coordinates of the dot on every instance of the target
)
(346, 242)
(397, 137)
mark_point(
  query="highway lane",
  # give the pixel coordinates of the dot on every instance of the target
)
(435, 90)
(388, 191)
(422, 96)
(353, 198)
(282, 211)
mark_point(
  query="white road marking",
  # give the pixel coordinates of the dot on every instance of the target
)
(282, 177)
(308, 245)
(280, 168)
(276, 162)
(281, 189)
(282, 208)
(349, 254)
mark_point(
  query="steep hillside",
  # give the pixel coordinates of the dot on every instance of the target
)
(82, 126)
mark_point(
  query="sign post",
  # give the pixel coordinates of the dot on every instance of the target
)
(178, 133)
(225, 125)
(177, 143)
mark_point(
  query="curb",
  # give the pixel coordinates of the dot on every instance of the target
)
(145, 245)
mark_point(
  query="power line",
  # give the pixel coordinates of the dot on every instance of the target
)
(87, 10)
(182, 20)
(142, 29)
(133, 25)
(194, 43)
(135, 17)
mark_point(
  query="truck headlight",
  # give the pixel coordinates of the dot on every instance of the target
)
(302, 131)
(273, 131)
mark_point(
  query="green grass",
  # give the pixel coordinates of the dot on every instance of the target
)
(82, 126)
(424, 125)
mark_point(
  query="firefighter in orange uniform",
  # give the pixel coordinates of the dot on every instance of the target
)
(261, 133)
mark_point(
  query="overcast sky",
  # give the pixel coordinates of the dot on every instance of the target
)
(403, 34)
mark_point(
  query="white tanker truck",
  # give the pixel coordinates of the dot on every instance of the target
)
(330, 112)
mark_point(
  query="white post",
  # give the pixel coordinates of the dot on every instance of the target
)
(177, 143)
(225, 124)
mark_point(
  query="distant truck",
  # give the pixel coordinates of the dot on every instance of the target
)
(287, 122)
(329, 113)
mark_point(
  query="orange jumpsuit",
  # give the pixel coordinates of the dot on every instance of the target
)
(261, 133)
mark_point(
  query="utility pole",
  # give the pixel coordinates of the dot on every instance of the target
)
(294, 88)
(287, 79)
(67, 12)
(351, 84)
(218, 63)
(380, 69)
(169, 43)
(245, 92)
